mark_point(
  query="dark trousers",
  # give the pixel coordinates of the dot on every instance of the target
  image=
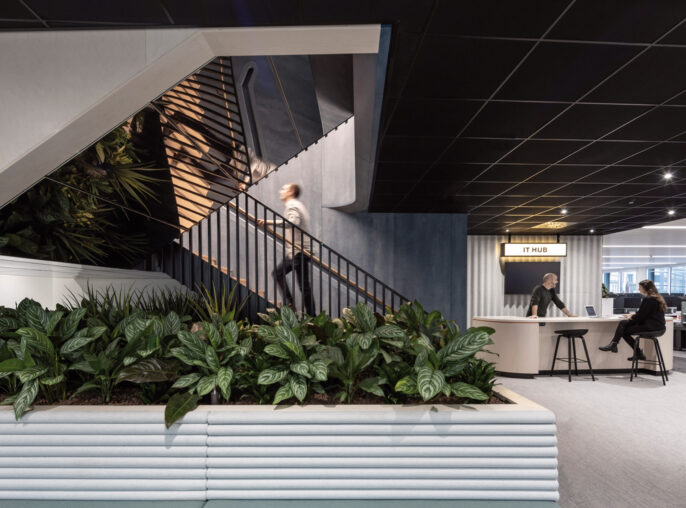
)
(624, 330)
(301, 265)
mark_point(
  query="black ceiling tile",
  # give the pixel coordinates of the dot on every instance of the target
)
(122, 11)
(524, 18)
(435, 116)
(20, 25)
(656, 125)
(539, 151)
(221, 13)
(449, 67)
(478, 150)
(402, 53)
(607, 152)
(383, 188)
(380, 203)
(618, 20)
(412, 149)
(577, 190)
(454, 172)
(406, 15)
(485, 189)
(13, 9)
(563, 71)
(512, 119)
(589, 121)
(653, 78)
(506, 201)
(661, 154)
(406, 171)
(532, 189)
(677, 36)
(510, 173)
(563, 173)
(546, 202)
(614, 174)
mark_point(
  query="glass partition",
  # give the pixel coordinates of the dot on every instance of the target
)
(660, 276)
(678, 280)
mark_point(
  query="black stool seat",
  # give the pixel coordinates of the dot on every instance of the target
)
(576, 332)
(571, 336)
(660, 362)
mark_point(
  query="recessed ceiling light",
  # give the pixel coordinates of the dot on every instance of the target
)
(592, 231)
(671, 212)
(667, 176)
(563, 211)
(507, 230)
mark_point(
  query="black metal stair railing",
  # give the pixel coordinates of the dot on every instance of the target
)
(231, 248)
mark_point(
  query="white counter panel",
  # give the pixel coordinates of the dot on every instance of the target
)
(525, 346)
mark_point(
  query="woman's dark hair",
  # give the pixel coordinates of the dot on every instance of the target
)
(649, 287)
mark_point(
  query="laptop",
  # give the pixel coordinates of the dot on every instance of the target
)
(590, 310)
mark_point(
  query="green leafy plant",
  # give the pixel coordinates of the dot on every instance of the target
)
(433, 369)
(214, 360)
(296, 368)
(40, 346)
(369, 330)
(77, 214)
(126, 354)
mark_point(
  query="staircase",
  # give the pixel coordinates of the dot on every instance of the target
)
(230, 249)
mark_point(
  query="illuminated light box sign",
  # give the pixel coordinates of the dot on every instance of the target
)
(532, 250)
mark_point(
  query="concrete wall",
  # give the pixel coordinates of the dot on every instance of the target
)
(580, 276)
(422, 256)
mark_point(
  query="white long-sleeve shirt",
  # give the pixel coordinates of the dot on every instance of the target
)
(296, 213)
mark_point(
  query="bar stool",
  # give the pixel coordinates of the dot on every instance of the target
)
(660, 362)
(571, 335)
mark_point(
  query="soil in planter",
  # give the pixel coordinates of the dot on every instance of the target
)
(130, 396)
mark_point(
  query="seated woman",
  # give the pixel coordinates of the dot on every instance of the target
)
(649, 317)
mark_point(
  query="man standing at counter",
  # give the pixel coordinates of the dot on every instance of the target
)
(541, 297)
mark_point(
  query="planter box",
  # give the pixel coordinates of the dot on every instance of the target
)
(498, 451)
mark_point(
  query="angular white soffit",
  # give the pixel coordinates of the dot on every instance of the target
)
(165, 57)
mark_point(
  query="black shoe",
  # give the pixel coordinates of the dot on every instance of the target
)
(641, 356)
(612, 346)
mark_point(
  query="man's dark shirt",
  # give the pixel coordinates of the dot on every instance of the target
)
(542, 297)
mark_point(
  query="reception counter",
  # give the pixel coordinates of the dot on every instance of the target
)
(525, 346)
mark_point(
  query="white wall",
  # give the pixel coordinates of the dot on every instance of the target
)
(580, 277)
(49, 282)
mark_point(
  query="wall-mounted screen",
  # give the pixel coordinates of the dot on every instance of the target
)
(521, 278)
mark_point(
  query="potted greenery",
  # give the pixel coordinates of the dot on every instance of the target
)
(367, 406)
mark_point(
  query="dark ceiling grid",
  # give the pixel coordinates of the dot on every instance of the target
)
(566, 204)
(430, 107)
(589, 92)
(485, 103)
(661, 210)
(34, 14)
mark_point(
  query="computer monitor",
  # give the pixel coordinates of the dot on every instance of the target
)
(590, 311)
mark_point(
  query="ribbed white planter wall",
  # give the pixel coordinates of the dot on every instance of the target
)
(580, 277)
(504, 452)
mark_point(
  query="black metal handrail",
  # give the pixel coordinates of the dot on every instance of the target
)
(231, 248)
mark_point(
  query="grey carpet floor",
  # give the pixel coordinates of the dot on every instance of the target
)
(620, 444)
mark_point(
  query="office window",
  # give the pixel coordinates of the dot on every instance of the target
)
(678, 280)
(660, 276)
(629, 283)
(612, 281)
